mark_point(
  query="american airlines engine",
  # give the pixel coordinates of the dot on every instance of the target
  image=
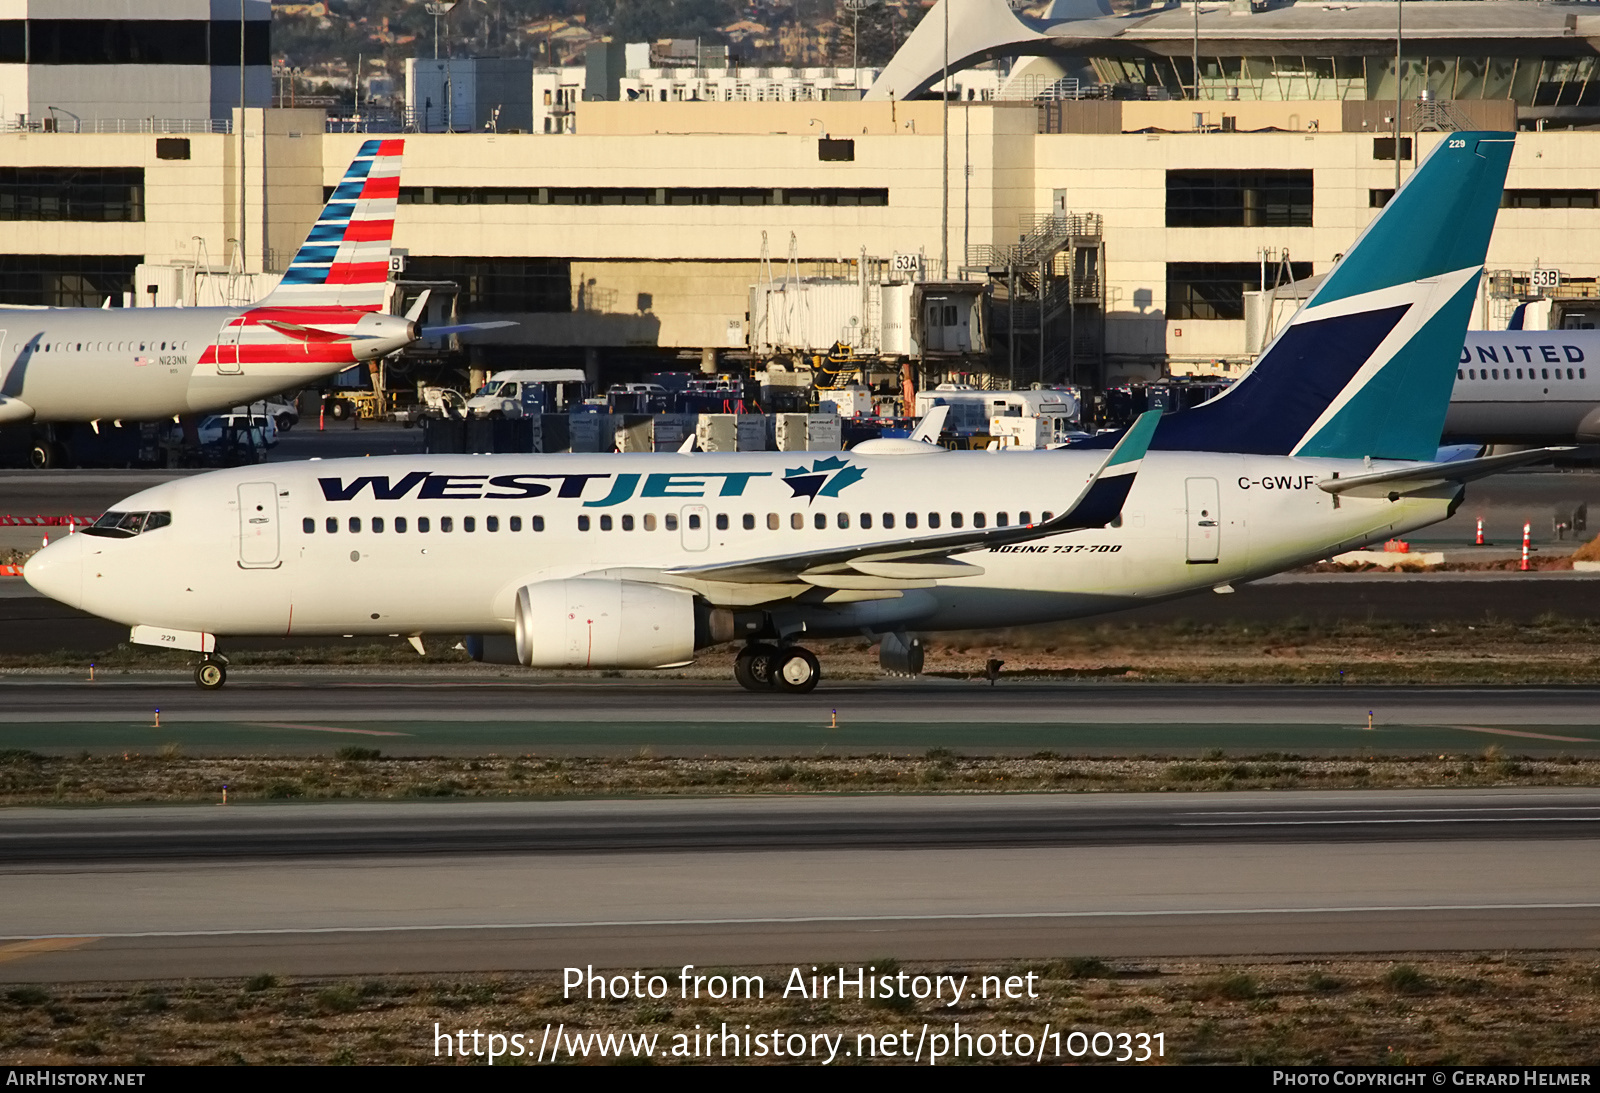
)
(640, 561)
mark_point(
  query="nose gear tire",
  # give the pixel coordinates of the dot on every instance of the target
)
(210, 675)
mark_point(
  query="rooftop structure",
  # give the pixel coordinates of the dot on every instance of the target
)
(1541, 56)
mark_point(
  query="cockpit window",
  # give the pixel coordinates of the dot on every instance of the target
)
(125, 525)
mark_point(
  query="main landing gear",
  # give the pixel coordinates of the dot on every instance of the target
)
(211, 673)
(789, 669)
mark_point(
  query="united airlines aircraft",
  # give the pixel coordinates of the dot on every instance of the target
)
(103, 364)
(639, 561)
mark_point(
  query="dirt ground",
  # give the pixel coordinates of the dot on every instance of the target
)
(1504, 1008)
(28, 778)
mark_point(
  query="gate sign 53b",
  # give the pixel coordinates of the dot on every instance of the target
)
(1545, 279)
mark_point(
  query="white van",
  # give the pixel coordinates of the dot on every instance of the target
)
(525, 391)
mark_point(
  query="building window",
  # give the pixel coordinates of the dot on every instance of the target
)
(1215, 290)
(172, 147)
(92, 194)
(639, 195)
(1383, 148)
(1239, 199)
(836, 151)
(1549, 199)
(65, 280)
(501, 284)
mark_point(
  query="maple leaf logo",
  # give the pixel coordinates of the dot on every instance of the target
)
(824, 478)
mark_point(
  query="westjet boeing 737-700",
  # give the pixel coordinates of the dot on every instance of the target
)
(638, 561)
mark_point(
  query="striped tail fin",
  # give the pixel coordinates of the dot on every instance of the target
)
(344, 262)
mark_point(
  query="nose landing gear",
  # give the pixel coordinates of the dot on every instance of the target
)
(791, 669)
(211, 673)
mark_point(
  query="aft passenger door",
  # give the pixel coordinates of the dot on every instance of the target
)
(258, 526)
(695, 527)
(1205, 520)
(228, 347)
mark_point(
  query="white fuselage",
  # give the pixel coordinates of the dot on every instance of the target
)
(132, 364)
(231, 562)
(1526, 387)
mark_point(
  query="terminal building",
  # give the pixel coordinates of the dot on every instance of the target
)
(1081, 211)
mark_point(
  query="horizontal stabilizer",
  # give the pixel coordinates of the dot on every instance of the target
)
(464, 328)
(1408, 480)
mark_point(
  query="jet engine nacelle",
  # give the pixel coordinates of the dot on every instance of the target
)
(587, 623)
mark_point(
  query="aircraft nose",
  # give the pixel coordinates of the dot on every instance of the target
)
(57, 570)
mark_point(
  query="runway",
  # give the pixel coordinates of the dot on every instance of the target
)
(369, 889)
(483, 712)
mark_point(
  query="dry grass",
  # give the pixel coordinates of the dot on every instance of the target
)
(1514, 1008)
(27, 778)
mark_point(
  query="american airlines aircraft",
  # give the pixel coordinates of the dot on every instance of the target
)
(103, 364)
(638, 561)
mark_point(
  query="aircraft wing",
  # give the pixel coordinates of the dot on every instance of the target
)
(917, 561)
(1395, 484)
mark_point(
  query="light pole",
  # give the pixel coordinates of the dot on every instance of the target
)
(855, 8)
(944, 161)
(1399, 37)
(438, 9)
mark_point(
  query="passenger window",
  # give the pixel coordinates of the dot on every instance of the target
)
(1047, 516)
(694, 521)
(308, 525)
(399, 525)
(332, 524)
(422, 525)
(515, 523)
(888, 520)
(1461, 374)
(377, 525)
(774, 522)
(583, 523)
(469, 523)
(797, 521)
(933, 519)
(1001, 520)
(1569, 373)
(979, 520)
(749, 522)
(490, 523)
(627, 523)
(722, 521)
(1024, 517)
(911, 520)
(605, 523)
(538, 523)
(1495, 372)
(1544, 373)
(866, 521)
(957, 520)
(820, 521)
(843, 520)
(649, 521)
(670, 521)
(447, 523)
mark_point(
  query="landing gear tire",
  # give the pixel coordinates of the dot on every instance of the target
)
(210, 675)
(338, 409)
(44, 456)
(797, 672)
(755, 666)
